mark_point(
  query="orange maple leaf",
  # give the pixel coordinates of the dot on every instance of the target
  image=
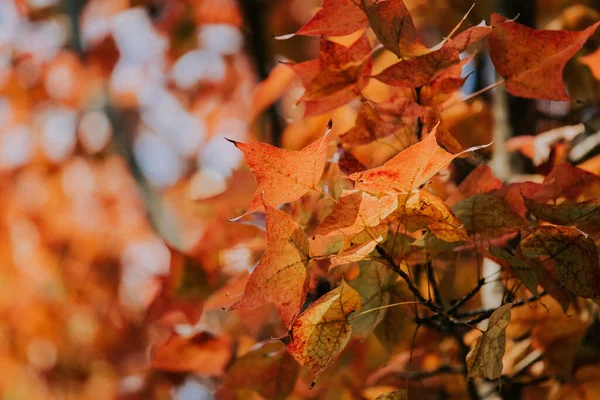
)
(409, 169)
(321, 332)
(283, 176)
(282, 275)
(394, 27)
(532, 61)
(336, 18)
(336, 77)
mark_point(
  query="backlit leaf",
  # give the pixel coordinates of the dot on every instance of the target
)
(532, 61)
(336, 18)
(283, 176)
(321, 332)
(423, 209)
(395, 395)
(376, 122)
(268, 369)
(525, 273)
(354, 212)
(485, 359)
(574, 253)
(487, 215)
(337, 77)
(394, 27)
(420, 70)
(203, 354)
(408, 170)
(373, 286)
(285, 264)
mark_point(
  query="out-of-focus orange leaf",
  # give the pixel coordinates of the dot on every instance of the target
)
(564, 181)
(395, 395)
(532, 61)
(285, 264)
(408, 170)
(282, 175)
(525, 273)
(575, 255)
(481, 180)
(397, 117)
(539, 147)
(268, 369)
(487, 215)
(321, 332)
(593, 61)
(585, 215)
(420, 70)
(269, 90)
(338, 76)
(373, 285)
(470, 36)
(485, 359)
(336, 18)
(202, 353)
(394, 27)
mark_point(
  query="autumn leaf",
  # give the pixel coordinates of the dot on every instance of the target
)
(525, 273)
(480, 180)
(487, 215)
(390, 329)
(336, 77)
(593, 62)
(321, 332)
(373, 286)
(408, 170)
(579, 214)
(399, 118)
(564, 181)
(285, 264)
(471, 36)
(268, 369)
(354, 253)
(420, 70)
(574, 253)
(336, 18)
(395, 395)
(423, 209)
(283, 176)
(347, 162)
(532, 61)
(202, 353)
(394, 27)
(354, 212)
(485, 359)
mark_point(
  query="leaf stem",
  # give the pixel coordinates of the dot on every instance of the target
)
(477, 93)
(360, 314)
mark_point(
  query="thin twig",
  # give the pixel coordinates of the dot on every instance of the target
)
(477, 93)
(466, 297)
(482, 315)
(441, 370)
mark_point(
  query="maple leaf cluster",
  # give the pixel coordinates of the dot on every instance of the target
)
(388, 221)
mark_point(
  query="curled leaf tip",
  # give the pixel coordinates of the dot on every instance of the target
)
(235, 143)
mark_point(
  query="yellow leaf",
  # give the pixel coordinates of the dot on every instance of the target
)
(485, 359)
(321, 332)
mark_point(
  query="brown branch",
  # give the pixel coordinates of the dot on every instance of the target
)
(466, 297)
(390, 262)
(441, 370)
(483, 314)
